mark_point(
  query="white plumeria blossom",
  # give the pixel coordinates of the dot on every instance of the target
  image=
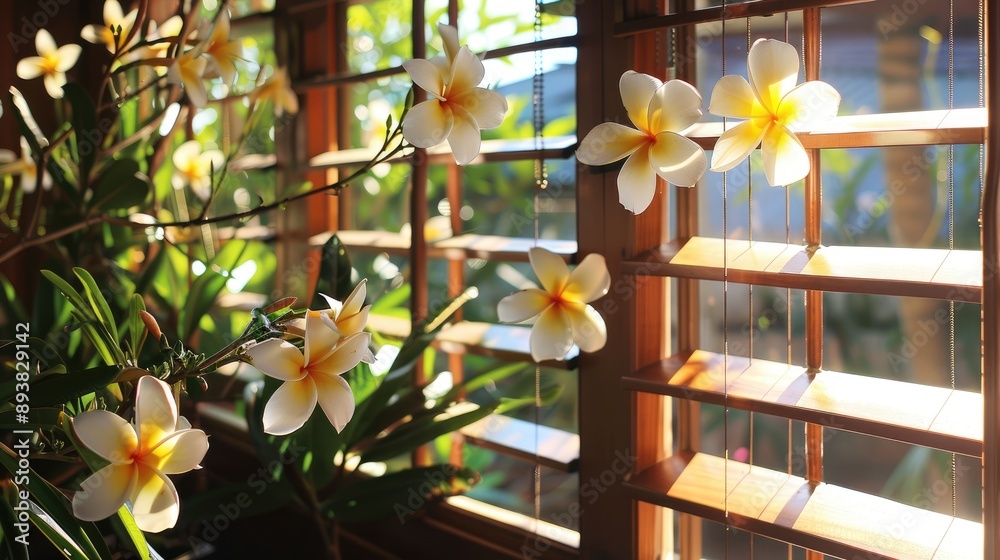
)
(311, 375)
(775, 109)
(222, 52)
(351, 315)
(189, 70)
(52, 63)
(193, 166)
(10, 164)
(114, 17)
(436, 228)
(560, 305)
(141, 455)
(278, 90)
(661, 112)
(457, 109)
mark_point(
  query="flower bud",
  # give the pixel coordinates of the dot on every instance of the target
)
(151, 324)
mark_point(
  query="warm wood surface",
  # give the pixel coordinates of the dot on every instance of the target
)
(504, 342)
(733, 10)
(930, 273)
(917, 128)
(556, 147)
(466, 246)
(516, 438)
(918, 414)
(821, 517)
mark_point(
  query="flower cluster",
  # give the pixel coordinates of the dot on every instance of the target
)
(773, 106)
(333, 343)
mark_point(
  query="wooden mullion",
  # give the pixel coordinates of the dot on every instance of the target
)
(991, 291)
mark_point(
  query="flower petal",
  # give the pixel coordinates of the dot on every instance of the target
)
(637, 91)
(467, 71)
(92, 34)
(732, 96)
(353, 323)
(107, 435)
(773, 67)
(29, 67)
(551, 336)
(486, 106)
(186, 153)
(104, 492)
(321, 337)
(112, 12)
(180, 452)
(589, 331)
(785, 160)
(428, 124)
(735, 145)
(425, 75)
(68, 55)
(449, 37)
(54, 83)
(356, 300)
(336, 400)
(677, 159)
(589, 280)
(523, 305)
(464, 139)
(289, 407)
(608, 142)
(279, 359)
(155, 503)
(348, 353)
(637, 182)
(155, 412)
(44, 43)
(550, 269)
(675, 106)
(808, 105)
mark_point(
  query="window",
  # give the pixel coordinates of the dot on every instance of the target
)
(822, 382)
(436, 228)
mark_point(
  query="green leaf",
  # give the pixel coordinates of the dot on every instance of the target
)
(38, 419)
(15, 550)
(57, 388)
(124, 524)
(418, 432)
(88, 136)
(106, 346)
(254, 496)
(10, 303)
(120, 187)
(334, 273)
(207, 287)
(97, 302)
(392, 300)
(59, 538)
(36, 139)
(399, 493)
(57, 508)
(136, 328)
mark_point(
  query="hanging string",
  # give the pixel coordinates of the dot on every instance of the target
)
(951, 228)
(541, 181)
(750, 287)
(788, 310)
(725, 319)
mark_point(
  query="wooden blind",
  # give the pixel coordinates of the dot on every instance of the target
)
(803, 509)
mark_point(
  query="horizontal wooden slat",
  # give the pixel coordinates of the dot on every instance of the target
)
(516, 438)
(732, 10)
(935, 417)
(504, 342)
(466, 246)
(930, 273)
(248, 233)
(918, 128)
(353, 78)
(242, 301)
(557, 147)
(258, 162)
(822, 517)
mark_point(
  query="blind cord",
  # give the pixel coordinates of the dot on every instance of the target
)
(541, 178)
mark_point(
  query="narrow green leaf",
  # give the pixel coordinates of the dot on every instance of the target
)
(334, 273)
(88, 136)
(10, 303)
(59, 538)
(57, 388)
(97, 302)
(8, 518)
(398, 494)
(418, 432)
(136, 328)
(124, 524)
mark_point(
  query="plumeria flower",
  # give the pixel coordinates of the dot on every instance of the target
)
(311, 376)
(24, 166)
(189, 70)
(661, 112)
(193, 167)
(350, 316)
(141, 455)
(457, 109)
(52, 63)
(775, 109)
(560, 305)
(222, 52)
(278, 90)
(113, 18)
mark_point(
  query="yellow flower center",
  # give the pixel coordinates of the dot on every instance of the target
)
(50, 64)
